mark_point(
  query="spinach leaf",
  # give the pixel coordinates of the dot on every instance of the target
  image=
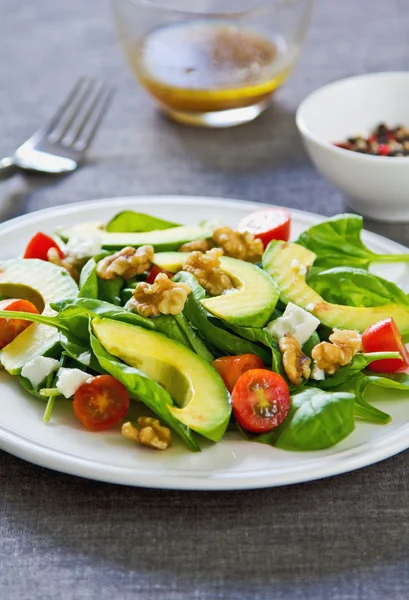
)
(358, 363)
(317, 420)
(397, 381)
(358, 385)
(197, 315)
(337, 242)
(195, 343)
(130, 221)
(262, 336)
(105, 309)
(52, 321)
(153, 395)
(88, 283)
(110, 290)
(26, 384)
(312, 341)
(356, 287)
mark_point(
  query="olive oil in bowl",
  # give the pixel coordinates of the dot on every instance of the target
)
(210, 74)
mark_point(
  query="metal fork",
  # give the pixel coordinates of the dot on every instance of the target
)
(60, 146)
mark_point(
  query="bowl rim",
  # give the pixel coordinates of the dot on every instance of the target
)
(306, 132)
(159, 5)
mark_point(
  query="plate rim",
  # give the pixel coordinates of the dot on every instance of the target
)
(344, 461)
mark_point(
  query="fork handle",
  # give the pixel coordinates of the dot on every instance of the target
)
(7, 168)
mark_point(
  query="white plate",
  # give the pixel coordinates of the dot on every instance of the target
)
(65, 446)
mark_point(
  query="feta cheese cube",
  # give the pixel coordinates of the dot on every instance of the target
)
(310, 307)
(84, 247)
(85, 358)
(69, 380)
(295, 320)
(295, 263)
(38, 369)
(318, 374)
(302, 270)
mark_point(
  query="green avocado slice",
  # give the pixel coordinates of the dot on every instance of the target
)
(194, 384)
(160, 239)
(251, 304)
(282, 261)
(40, 282)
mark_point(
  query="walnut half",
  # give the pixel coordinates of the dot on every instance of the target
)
(126, 263)
(296, 364)
(150, 433)
(206, 268)
(238, 245)
(339, 351)
(68, 263)
(199, 245)
(163, 296)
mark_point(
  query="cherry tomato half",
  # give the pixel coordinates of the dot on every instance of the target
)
(231, 368)
(101, 402)
(384, 336)
(155, 270)
(260, 400)
(39, 246)
(10, 328)
(268, 224)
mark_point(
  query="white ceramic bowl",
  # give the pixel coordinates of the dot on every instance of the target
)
(376, 186)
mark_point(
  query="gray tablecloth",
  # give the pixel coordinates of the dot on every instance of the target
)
(344, 538)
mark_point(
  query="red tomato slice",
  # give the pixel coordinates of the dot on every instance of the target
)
(39, 245)
(384, 336)
(10, 328)
(155, 270)
(268, 224)
(101, 402)
(260, 400)
(231, 368)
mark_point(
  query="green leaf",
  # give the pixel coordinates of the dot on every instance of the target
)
(397, 381)
(88, 283)
(337, 242)
(356, 287)
(153, 395)
(110, 290)
(197, 315)
(358, 385)
(262, 336)
(130, 221)
(310, 344)
(194, 341)
(358, 363)
(317, 420)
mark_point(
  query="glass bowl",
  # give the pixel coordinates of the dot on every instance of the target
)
(216, 64)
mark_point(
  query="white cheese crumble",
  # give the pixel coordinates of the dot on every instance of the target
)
(294, 263)
(69, 380)
(310, 307)
(302, 270)
(295, 320)
(84, 247)
(38, 369)
(85, 358)
(318, 374)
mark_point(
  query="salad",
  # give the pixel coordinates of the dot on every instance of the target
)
(208, 328)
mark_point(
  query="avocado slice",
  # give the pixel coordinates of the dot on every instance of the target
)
(279, 260)
(40, 282)
(251, 304)
(160, 239)
(194, 384)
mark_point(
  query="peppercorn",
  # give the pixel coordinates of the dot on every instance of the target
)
(381, 142)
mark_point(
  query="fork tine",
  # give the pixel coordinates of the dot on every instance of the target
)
(63, 108)
(73, 110)
(76, 132)
(94, 118)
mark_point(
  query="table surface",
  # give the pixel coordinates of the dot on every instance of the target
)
(64, 537)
